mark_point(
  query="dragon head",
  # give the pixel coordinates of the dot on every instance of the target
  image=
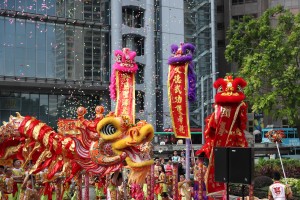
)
(229, 90)
(118, 141)
(10, 129)
(128, 138)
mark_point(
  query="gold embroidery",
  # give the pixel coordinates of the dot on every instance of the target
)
(27, 126)
(46, 138)
(225, 111)
(36, 130)
(222, 129)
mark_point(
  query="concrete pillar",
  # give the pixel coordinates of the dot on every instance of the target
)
(149, 71)
(116, 32)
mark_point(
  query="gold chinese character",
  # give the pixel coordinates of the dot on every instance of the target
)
(178, 99)
(178, 108)
(125, 94)
(125, 102)
(181, 129)
(124, 111)
(225, 111)
(126, 86)
(180, 118)
(177, 71)
(177, 79)
(177, 89)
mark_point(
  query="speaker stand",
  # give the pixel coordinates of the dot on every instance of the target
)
(227, 190)
(243, 192)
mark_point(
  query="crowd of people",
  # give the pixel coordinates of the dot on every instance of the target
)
(17, 184)
(163, 173)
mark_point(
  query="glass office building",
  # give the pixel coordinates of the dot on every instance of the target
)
(54, 57)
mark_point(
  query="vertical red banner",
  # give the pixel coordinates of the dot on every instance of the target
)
(178, 99)
(125, 88)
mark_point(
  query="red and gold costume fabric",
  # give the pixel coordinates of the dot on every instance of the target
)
(181, 87)
(225, 127)
(178, 100)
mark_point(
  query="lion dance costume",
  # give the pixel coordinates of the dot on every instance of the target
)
(225, 126)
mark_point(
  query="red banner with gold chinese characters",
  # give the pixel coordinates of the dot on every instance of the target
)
(125, 88)
(178, 99)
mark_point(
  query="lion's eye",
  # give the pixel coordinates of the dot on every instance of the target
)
(240, 89)
(220, 89)
(109, 129)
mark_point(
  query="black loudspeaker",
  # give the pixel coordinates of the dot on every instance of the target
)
(221, 164)
(241, 165)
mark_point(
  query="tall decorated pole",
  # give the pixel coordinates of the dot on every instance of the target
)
(181, 90)
(122, 90)
(276, 137)
(122, 87)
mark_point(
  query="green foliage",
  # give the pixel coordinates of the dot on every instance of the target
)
(267, 51)
(262, 181)
(294, 184)
(268, 167)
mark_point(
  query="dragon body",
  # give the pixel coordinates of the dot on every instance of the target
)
(225, 126)
(105, 144)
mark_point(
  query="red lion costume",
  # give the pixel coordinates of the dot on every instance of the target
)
(225, 126)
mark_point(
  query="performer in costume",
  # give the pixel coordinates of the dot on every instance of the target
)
(8, 184)
(100, 187)
(169, 174)
(115, 182)
(2, 184)
(225, 127)
(18, 175)
(184, 189)
(29, 192)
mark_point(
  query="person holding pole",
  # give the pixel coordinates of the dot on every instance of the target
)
(279, 191)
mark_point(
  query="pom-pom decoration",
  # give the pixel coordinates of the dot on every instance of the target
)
(275, 135)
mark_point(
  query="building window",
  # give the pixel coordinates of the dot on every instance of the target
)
(135, 43)
(238, 17)
(285, 123)
(133, 17)
(93, 10)
(139, 101)
(221, 43)
(220, 9)
(140, 46)
(47, 107)
(250, 1)
(139, 76)
(236, 2)
(220, 26)
(49, 50)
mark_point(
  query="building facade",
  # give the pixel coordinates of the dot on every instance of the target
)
(56, 55)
